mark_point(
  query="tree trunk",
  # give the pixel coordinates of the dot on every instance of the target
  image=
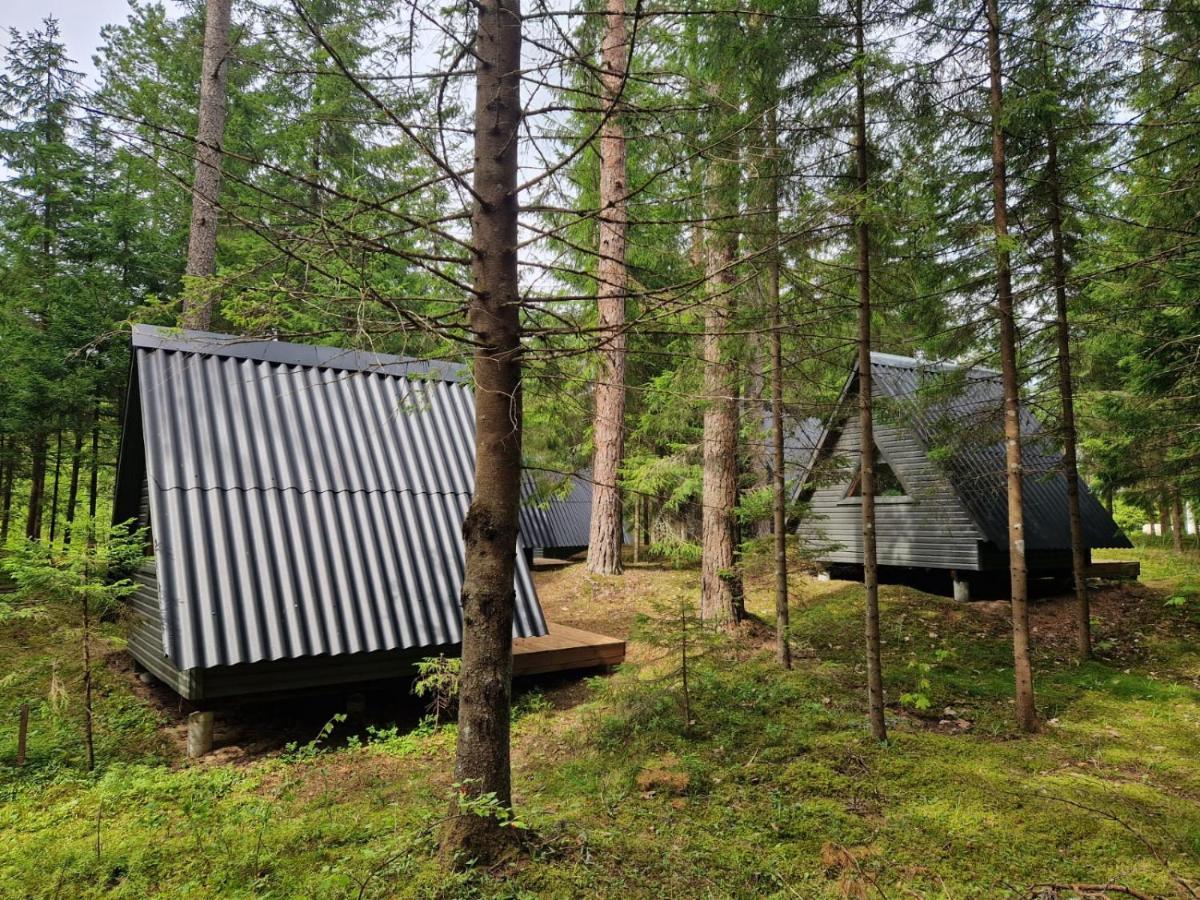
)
(756, 401)
(89, 742)
(637, 529)
(720, 582)
(1164, 517)
(206, 188)
(875, 708)
(1176, 519)
(37, 487)
(7, 476)
(73, 490)
(490, 530)
(783, 648)
(1026, 712)
(605, 539)
(719, 588)
(93, 485)
(1083, 624)
(54, 489)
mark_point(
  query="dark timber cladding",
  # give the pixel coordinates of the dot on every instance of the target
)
(305, 503)
(939, 430)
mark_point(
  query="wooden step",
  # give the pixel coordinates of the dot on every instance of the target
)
(1115, 570)
(565, 649)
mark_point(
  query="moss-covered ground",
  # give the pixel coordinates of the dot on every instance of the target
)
(773, 788)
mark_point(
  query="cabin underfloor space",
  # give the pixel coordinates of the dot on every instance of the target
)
(986, 585)
(547, 669)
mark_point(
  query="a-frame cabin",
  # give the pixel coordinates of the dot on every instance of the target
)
(305, 506)
(941, 497)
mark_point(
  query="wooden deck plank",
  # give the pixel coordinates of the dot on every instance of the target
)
(1115, 569)
(565, 648)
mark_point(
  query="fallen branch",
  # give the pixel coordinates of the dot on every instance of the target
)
(1086, 890)
(1179, 880)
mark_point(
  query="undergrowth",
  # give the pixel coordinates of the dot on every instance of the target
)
(769, 786)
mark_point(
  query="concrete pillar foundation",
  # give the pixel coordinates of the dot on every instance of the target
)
(962, 587)
(199, 734)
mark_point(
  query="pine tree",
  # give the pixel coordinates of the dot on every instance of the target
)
(199, 304)
(1025, 710)
(39, 91)
(608, 432)
(482, 768)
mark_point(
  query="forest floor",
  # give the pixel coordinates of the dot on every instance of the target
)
(771, 785)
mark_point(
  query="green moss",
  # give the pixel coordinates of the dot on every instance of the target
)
(782, 778)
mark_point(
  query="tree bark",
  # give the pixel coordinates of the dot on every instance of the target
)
(88, 723)
(875, 708)
(37, 487)
(490, 531)
(605, 539)
(54, 489)
(6, 489)
(783, 648)
(73, 490)
(637, 529)
(757, 403)
(1026, 712)
(1176, 519)
(720, 582)
(719, 588)
(199, 302)
(93, 485)
(1083, 624)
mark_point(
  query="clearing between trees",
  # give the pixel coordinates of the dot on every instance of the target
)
(771, 787)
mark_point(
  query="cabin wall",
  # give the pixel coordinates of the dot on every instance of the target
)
(145, 643)
(313, 673)
(928, 528)
(145, 634)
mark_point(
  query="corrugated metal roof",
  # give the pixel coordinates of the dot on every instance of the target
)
(801, 441)
(801, 437)
(958, 414)
(548, 519)
(301, 506)
(261, 350)
(551, 520)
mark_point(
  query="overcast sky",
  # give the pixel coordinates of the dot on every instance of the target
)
(80, 21)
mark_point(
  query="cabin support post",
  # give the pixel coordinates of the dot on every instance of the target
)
(962, 587)
(199, 733)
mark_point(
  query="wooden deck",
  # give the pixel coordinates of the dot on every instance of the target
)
(1115, 570)
(564, 649)
(549, 564)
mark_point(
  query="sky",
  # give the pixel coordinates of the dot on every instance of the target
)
(80, 21)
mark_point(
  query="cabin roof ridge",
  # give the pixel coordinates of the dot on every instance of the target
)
(272, 350)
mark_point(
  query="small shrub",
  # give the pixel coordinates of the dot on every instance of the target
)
(295, 751)
(437, 679)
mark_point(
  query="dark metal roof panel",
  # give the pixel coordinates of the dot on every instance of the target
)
(801, 438)
(961, 410)
(154, 337)
(550, 520)
(306, 510)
